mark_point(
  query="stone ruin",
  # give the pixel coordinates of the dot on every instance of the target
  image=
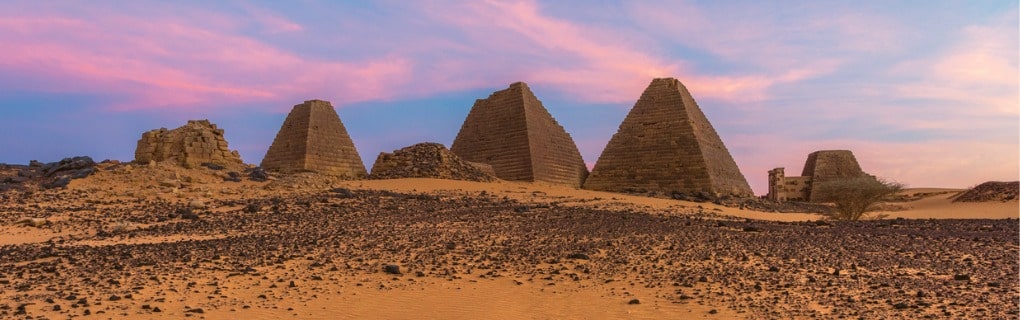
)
(667, 145)
(196, 143)
(428, 160)
(313, 138)
(511, 131)
(821, 166)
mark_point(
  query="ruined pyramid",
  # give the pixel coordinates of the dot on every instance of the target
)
(511, 131)
(314, 139)
(666, 144)
(830, 165)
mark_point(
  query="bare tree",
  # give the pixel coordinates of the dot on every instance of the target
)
(855, 197)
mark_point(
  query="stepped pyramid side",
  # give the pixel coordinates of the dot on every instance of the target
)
(313, 138)
(666, 144)
(511, 131)
(829, 165)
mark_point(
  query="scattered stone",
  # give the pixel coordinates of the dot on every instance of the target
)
(634, 301)
(428, 160)
(578, 256)
(33, 222)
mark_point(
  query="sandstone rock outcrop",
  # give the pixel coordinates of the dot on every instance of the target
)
(313, 138)
(428, 160)
(191, 145)
(666, 144)
(511, 131)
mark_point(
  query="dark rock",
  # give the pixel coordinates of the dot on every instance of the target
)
(342, 193)
(252, 208)
(213, 166)
(60, 182)
(257, 174)
(232, 177)
(961, 277)
(901, 305)
(578, 256)
(634, 301)
(392, 269)
(114, 298)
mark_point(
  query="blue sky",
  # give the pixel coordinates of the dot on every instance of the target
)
(923, 92)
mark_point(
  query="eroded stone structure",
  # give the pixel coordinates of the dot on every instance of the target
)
(511, 131)
(191, 145)
(313, 138)
(821, 166)
(428, 160)
(666, 144)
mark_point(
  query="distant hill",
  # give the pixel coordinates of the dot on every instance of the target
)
(991, 191)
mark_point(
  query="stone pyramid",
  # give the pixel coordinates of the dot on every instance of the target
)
(666, 144)
(511, 131)
(829, 165)
(314, 139)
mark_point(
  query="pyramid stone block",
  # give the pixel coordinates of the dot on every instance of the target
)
(511, 131)
(313, 138)
(666, 144)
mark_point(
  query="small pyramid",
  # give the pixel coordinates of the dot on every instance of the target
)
(511, 131)
(314, 139)
(666, 144)
(829, 165)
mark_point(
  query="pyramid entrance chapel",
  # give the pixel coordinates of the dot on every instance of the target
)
(666, 144)
(511, 131)
(313, 138)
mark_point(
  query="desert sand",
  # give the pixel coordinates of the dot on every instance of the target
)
(164, 242)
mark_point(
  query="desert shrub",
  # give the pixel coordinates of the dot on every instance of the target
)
(854, 198)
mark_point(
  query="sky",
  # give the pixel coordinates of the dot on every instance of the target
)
(926, 93)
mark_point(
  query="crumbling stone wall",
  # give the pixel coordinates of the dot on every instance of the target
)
(666, 144)
(191, 145)
(428, 160)
(511, 131)
(313, 138)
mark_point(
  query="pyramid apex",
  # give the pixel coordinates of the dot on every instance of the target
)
(318, 102)
(670, 81)
(518, 84)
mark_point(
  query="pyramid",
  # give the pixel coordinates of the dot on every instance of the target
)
(511, 131)
(829, 165)
(314, 139)
(666, 144)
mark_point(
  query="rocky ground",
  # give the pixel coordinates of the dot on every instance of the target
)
(131, 257)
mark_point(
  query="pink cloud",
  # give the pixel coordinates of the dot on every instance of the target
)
(162, 62)
(979, 73)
